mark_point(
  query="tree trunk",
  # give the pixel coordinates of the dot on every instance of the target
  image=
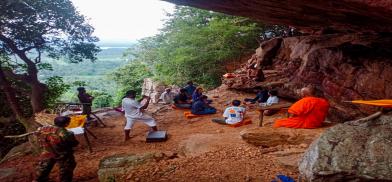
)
(37, 97)
(10, 95)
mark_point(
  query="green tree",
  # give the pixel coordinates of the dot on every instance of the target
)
(195, 45)
(130, 76)
(31, 28)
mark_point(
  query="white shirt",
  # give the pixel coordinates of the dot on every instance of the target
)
(271, 100)
(131, 108)
(167, 97)
(234, 114)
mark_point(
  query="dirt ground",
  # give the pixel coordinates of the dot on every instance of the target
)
(206, 151)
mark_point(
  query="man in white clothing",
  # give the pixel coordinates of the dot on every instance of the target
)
(167, 97)
(233, 114)
(272, 99)
(134, 112)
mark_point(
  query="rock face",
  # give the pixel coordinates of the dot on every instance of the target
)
(271, 137)
(154, 89)
(351, 153)
(342, 67)
(344, 15)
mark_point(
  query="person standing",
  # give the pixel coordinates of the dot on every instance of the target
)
(56, 144)
(134, 112)
(86, 100)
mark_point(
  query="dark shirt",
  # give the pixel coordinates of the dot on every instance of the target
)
(85, 98)
(181, 99)
(189, 90)
(198, 106)
(261, 96)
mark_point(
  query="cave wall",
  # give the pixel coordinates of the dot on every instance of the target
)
(308, 15)
(342, 67)
(354, 63)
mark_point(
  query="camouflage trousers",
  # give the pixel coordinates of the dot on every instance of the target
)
(67, 165)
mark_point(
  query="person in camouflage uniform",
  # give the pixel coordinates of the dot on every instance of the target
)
(57, 144)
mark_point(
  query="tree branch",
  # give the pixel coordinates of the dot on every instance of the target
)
(31, 67)
(10, 74)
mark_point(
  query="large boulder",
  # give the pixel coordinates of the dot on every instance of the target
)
(115, 168)
(348, 152)
(271, 137)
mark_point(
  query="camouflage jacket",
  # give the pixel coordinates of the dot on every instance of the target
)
(56, 142)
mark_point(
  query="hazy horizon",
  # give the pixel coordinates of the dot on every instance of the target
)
(124, 21)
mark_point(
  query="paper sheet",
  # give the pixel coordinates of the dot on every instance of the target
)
(77, 130)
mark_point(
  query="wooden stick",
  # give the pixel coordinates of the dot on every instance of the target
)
(20, 136)
(365, 119)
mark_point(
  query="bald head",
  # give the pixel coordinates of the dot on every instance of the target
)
(307, 91)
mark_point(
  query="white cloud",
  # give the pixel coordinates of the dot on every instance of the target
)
(124, 20)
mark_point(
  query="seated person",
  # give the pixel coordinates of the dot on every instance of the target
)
(167, 97)
(202, 107)
(261, 96)
(197, 94)
(233, 114)
(190, 88)
(181, 100)
(272, 99)
(309, 112)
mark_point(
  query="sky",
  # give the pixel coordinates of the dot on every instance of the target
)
(124, 20)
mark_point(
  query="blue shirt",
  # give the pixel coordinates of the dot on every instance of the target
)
(190, 89)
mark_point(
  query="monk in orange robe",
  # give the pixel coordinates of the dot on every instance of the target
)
(309, 112)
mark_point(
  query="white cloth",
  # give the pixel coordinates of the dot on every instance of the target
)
(131, 107)
(146, 119)
(132, 113)
(167, 97)
(77, 130)
(234, 114)
(271, 100)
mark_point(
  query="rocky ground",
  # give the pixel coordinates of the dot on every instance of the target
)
(198, 149)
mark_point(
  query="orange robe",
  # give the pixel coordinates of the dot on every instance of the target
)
(308, 112)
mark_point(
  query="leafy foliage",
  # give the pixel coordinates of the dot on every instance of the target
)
(30, 29)
(56, 87)
(130, 76)
(195, 45)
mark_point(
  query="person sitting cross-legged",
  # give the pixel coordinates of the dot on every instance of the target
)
(167, 96)
(190, 88)
(202, 107)
(272, 99)
(261, 96)
(309, 112)
(181, 100)
(232, 115)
